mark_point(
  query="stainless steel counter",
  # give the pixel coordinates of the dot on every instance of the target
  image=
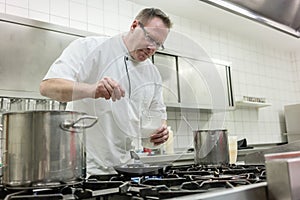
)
(249, 192)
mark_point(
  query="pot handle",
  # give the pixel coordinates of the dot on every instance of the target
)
(68, 124)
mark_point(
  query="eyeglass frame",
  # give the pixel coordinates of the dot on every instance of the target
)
(158, 45)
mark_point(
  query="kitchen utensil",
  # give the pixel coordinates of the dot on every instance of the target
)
(42, 104)
(4, 104)
(19, 104)
(211, 147)
(136, 159)
(138, 168)
(169, 145)
(133, 170)
(43, 147)
(242, 144)
(233, 149)
(134, 155)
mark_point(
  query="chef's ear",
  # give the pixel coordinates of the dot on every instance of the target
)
(134, 24)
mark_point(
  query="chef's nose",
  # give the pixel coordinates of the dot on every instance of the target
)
(151, 48)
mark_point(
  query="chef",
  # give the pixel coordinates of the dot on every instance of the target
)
(114, 79)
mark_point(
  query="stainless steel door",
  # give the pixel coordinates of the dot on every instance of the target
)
(166, 65)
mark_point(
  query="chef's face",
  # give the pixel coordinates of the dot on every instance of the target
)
(148, 38)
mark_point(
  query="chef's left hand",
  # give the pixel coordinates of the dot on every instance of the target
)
(160, 136)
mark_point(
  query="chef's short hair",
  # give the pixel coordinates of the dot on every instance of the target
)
(149, 13)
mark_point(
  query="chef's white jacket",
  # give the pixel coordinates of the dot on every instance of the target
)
(87, 60)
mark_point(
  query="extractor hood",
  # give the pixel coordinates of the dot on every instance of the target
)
(283, 15)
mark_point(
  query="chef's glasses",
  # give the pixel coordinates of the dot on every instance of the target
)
(157, 45)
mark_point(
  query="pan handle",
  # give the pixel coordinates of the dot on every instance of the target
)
(67, 125)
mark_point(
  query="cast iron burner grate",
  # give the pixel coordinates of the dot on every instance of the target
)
(185, 180)
(37, 194)
(175, 181)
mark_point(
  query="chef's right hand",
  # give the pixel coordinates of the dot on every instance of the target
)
(108, 88)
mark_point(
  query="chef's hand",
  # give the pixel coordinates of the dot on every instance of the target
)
(160, 136)
(108, 88)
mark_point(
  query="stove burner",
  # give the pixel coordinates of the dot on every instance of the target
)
(169, 182)
(174, 182)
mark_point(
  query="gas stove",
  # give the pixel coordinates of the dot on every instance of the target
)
(175, 182)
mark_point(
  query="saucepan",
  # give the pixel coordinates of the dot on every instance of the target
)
(138, 168)
(211, 147)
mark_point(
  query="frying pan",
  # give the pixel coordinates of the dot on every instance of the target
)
(133, 170)
(138, 168)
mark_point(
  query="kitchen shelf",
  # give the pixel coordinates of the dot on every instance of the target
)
(249, 104)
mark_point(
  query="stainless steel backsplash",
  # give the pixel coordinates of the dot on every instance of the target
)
(28, 48)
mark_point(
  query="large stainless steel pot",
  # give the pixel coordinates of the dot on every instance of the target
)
(211, 147)
(44, 147)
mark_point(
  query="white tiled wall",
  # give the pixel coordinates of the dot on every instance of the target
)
(257, 69)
